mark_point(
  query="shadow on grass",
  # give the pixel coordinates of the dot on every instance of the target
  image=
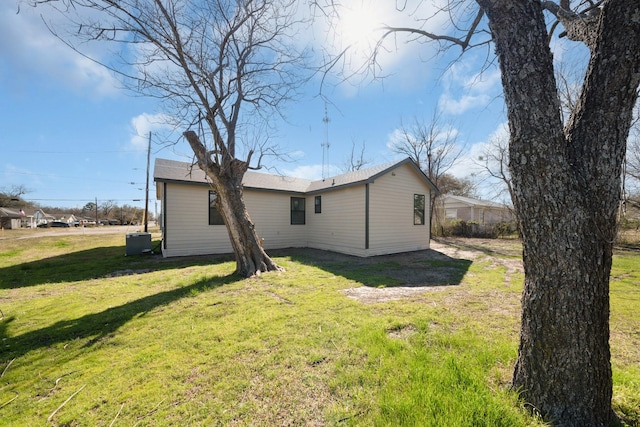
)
(91, 264)
(96, 326)
(507, 249)
(419, 268)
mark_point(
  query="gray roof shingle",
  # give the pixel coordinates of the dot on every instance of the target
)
(174, 171)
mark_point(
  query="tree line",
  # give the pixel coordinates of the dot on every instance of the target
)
(108, 210)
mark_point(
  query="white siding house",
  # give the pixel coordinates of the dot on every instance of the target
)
(364, 213)
(483, 212)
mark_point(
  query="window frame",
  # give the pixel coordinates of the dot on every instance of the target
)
(419, 214)
(215, 218)
(317, 204)
(297, 213)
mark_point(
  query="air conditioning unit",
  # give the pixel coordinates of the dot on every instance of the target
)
(138, 243)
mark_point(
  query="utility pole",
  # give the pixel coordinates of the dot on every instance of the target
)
(146, 202)
(325, 145)
(97, 212)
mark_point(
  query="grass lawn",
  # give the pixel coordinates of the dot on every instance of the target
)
(91, 337)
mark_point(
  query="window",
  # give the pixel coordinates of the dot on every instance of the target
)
(318, 204)
(214, 215)
(297, 210)
(418, 209)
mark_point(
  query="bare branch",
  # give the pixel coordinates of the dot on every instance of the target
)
(580, 25)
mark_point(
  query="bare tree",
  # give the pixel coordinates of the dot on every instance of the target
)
(449, 184)
(566, 184)
(355, 161)
(127, 214)
(494, 162)
(569, 78)
(223, 68)
(432, 145)
(632, 170)
(632, 164)
(107, 208)
(12, 196)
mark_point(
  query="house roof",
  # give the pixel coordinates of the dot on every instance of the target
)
(9, 213)
(474, 202)
(173, 171)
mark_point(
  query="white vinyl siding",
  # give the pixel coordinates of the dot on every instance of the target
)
(187, 230)
(271, 214)
(391, 214)
(341, 225)
(187, 219)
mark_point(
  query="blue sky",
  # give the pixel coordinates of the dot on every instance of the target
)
(70, 134)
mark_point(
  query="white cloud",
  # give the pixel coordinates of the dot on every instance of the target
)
(395, 138)
(398, 137)
(467, 165)
(352, 31)
(30, 49)
(470, 164)
(461, 105)
(312, 172)
(297, 154)
(501, 132)
(464, 90)
(145, 123)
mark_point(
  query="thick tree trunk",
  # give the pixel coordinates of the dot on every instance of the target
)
(566, 187)
(226, 180)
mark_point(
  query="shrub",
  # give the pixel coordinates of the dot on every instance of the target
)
(459, 228)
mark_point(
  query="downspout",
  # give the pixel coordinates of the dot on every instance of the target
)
(164, 216)
(366, 216)
(431, 207)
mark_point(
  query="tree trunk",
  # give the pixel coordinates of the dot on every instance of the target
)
(226, 181)
(566, 187)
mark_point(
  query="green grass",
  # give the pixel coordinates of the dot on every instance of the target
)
(91, 337)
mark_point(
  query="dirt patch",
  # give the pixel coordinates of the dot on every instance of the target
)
(402, 333)
(434, 270)
(369, 295)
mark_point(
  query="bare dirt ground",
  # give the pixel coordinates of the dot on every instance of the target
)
(413, 268)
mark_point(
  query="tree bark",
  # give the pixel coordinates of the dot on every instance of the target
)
(566, 188)
(226, 181)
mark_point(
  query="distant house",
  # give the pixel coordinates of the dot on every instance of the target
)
(483, 212)
(27, 220)
(41, 217)
(68, 218)
(10, 219)
(376, 211)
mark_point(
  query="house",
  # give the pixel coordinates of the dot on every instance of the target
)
(41, 217)
(69, 218)
(10, 219)
(483, 212)
(27, 220)
(376, 211)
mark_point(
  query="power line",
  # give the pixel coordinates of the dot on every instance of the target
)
(50, 175)
(72, 152)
